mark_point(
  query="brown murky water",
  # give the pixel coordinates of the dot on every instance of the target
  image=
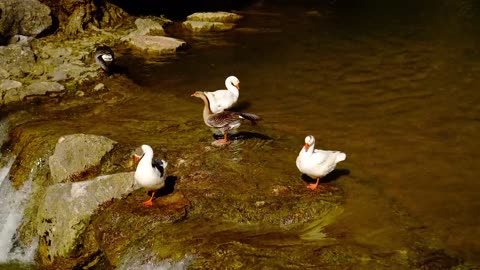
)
(395, 87)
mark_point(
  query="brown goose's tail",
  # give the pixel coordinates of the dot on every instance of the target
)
(250, 116)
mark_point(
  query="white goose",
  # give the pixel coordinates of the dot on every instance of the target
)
(223, 99)
(317, 163)
(150, 173)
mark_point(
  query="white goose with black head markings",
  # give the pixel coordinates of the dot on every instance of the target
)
(317, 163)
(150, 173)
(225, 120)
(221, 100)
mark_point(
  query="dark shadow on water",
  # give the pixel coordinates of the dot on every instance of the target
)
(168, 188)
(334, 175)
(243, 135)
(240, 106)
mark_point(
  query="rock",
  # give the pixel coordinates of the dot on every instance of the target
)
(4, 74)
(9, 84)
(20, 40)
(41, 89)
(18, 60)
(77, 154)
(9, 90)
(149, 27)
(67, 208)
(157, 44)
(211, 21)
(198, 26)
(99, 87)
(221, 16)
(23, 17)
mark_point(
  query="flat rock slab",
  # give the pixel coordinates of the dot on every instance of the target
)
(76, 154)
(201, 26)
(220, 16)
(42, 89)
(157, 44)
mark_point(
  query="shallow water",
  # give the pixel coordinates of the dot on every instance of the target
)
(394, 86)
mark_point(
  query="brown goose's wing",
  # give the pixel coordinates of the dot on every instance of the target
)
(223, 118)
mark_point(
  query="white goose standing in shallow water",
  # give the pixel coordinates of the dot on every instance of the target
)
(317, 163)
(221, 100)
(150, 173)
(225, 120)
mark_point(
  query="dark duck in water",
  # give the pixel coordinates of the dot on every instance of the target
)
(225, 120)
(104, 57)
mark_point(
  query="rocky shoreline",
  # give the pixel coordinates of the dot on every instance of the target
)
(34, 65)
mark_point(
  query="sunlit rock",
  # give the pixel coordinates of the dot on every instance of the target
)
(197, 26)
(211, 21)
(23, 17)
(220, 16)
(78, 154)
(157, 44)
(67, 208)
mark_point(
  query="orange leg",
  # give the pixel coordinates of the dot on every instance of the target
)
(149, 202)
(314, 186)
(224, 140)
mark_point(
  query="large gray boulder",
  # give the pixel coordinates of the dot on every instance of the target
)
(23, 17)
(67, 208)
(75, 155)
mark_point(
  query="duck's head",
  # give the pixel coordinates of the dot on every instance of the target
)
(309, 141)
(233, 81)
(140, 152)
(198, 94)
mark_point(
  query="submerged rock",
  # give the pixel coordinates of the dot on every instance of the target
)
(23, 17)
(197, 26)
(76, 155)
(66, 210)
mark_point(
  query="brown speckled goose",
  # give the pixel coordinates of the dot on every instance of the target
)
(225, 120)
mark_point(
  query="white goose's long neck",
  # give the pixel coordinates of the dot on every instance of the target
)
(231, 87)
(146, 160)
(310, 149)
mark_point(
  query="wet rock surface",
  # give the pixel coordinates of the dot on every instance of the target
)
(76, 155)
(67, 208)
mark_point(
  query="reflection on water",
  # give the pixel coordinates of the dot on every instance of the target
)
(395, 86)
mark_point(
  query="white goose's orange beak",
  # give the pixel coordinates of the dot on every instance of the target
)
(306, 146)
(136, 158)
(238, 86)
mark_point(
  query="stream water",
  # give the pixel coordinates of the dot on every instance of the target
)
(392, 85)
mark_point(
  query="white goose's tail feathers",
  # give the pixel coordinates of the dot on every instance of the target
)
(340, 157)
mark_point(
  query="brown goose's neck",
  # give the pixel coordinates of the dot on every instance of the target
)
(206, 108)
